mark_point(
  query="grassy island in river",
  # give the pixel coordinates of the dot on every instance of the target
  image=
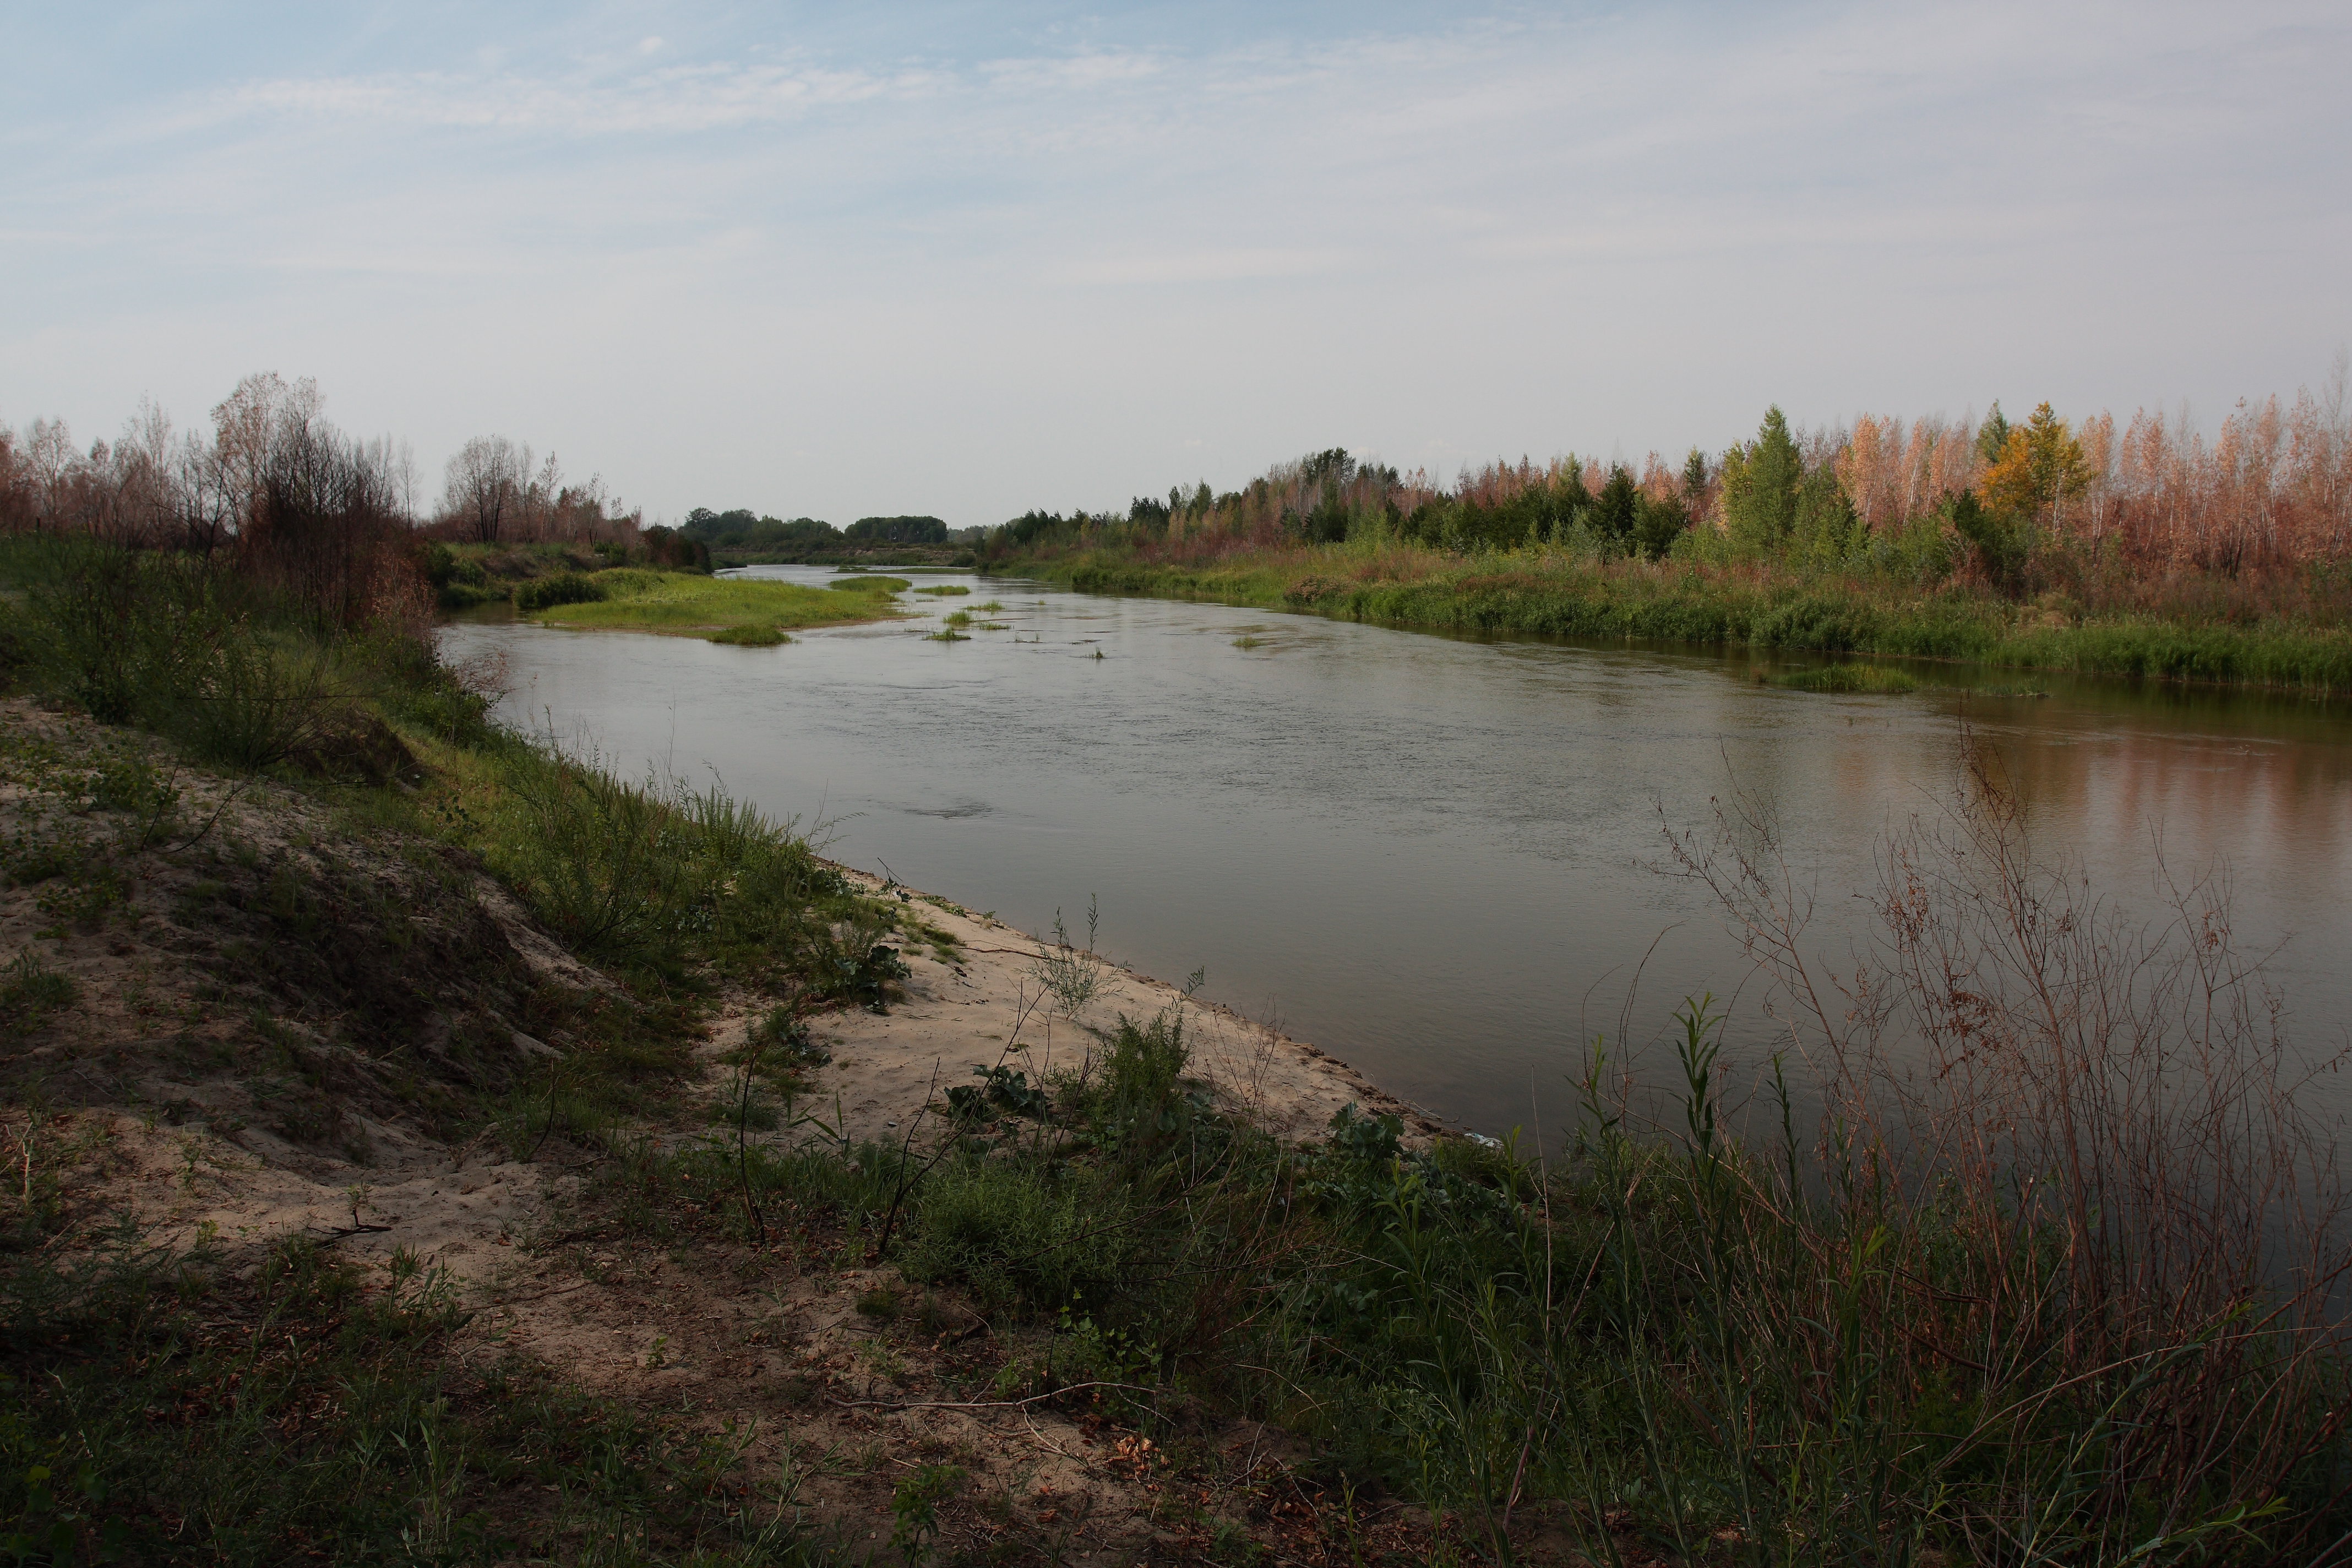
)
(722, 610)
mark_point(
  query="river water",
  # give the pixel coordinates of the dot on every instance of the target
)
(1436, 857)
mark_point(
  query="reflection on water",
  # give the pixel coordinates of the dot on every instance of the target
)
(1434, 858)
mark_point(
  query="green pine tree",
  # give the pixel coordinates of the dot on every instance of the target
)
(1762, 512)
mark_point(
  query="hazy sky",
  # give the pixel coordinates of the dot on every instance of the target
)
(965, 259)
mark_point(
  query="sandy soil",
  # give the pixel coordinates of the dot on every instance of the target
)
(991, 1004)
(158, 1092)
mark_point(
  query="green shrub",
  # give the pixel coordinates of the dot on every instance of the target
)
(1139, 1101)
(1018, 1233)
(563, 588)
(30, 991)
(749, 637)
(255, 703)
(121, 634)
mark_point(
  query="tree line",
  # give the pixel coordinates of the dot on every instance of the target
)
(742, 530)
(2006, 501)
(274, 490)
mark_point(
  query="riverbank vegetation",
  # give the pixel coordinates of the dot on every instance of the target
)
(2026, 1252)
(2148, 552)
(723, 609)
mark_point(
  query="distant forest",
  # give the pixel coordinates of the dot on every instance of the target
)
(2020, 507)
(741, 529)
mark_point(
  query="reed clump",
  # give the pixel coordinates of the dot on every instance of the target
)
(1848, 678)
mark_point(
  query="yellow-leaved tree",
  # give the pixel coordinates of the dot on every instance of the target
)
(2040, 468)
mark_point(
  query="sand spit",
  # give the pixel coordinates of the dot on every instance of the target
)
(986, 1000)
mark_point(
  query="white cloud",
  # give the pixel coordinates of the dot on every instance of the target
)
(825, 273)
(1216, 266)
(1083, 72)
(678, 99)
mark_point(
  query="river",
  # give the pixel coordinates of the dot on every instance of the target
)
(1436, 858)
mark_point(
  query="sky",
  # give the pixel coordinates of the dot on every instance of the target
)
(966, 259)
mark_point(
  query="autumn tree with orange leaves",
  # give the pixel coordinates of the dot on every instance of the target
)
(2040, 468)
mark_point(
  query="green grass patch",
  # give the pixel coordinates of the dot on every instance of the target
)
(161, 1408)
(871, 584)
(564, 588)
(944, 590)
(1544, 592)
(671, 602)
(1847, 677)
(749, 637)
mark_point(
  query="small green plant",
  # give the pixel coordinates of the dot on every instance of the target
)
(1072, 976)
(946, 634)
(749, 637)
(782, 1033)
(84, 894)
(915, 1507)
(129, 783)
(944, 591)
(1002, 1087)
(866, 980)
(28, 859)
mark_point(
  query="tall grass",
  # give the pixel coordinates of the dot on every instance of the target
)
(2054, 1275)
(1552, 593)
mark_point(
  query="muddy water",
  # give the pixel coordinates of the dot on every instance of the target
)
(1437, 858)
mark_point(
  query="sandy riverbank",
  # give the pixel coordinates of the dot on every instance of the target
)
(989, 1004)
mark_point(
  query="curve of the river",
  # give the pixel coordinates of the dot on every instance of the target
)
(1436, 857)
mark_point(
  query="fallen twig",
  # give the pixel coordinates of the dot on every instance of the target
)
(982, 1403)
